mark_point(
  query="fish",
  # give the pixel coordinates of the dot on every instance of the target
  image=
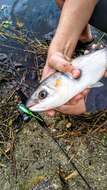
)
(59, 87)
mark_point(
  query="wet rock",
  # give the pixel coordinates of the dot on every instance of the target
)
(3, 57)
(40, 16)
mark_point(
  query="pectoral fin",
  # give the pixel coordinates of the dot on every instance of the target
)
(97, 85)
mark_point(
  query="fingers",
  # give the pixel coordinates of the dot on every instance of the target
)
(75, 106)
(105, 74)
(85, 92)
(77, 109)
(59, 63)
(78, 97)
(76, 73)
(75, 100)
(60, 3)
(51, 113)
(47, 71)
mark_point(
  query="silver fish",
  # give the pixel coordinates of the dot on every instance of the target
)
(59, 88)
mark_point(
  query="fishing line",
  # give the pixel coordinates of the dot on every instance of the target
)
(43, 124)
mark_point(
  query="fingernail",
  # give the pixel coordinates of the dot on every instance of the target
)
(51, 113)
(76, 73)
(79, 97)
(85, 92)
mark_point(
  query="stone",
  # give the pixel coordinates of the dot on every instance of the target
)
(38, 16)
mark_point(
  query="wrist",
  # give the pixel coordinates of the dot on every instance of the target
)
(65, 48)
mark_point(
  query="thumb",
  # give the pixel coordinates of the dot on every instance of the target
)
(59, 63)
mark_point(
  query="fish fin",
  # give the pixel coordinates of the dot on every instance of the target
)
(97, 85)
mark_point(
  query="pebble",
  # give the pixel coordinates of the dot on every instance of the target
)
(68, 125)
(55, 186)
(68, 148)
(53, 130)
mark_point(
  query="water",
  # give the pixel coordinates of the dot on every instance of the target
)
(38, 16)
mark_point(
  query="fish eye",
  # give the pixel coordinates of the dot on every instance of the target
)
(42, 94)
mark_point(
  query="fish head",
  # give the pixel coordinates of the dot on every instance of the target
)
(59, 88)
(47, 93)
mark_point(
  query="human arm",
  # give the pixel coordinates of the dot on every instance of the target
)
(74, 17)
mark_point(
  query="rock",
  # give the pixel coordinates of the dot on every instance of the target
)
(3, 57)
(38, 16)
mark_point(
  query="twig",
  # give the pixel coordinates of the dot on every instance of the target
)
(20, 49)
(71, 175)
(97, 129)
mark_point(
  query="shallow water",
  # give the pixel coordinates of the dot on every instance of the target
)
(39, 16)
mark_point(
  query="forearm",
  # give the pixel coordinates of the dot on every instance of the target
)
(74, 17)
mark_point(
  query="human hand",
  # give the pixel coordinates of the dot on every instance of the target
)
(73, 109)
(58, 61)
(105, 74)
(60, 3)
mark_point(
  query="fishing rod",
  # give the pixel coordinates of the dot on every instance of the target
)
(43, 124)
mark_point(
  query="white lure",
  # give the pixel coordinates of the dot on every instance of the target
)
(59, 88)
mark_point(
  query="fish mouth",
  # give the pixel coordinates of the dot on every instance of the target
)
(31, 103)
(35, 106)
